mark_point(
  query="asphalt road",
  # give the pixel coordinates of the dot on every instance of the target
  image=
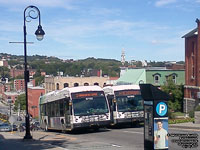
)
(105, 139)
(4, 109)
(125, 138)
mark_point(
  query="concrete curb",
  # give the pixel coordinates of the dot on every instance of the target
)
(183, 127)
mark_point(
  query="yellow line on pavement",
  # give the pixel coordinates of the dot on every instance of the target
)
(57, 137)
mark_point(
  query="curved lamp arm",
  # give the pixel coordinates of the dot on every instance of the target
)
(31, 11)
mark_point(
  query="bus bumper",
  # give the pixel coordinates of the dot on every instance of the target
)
(129, 120)
(91, 124)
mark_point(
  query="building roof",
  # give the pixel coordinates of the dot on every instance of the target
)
(136, 76)
(13, 93)
(132, 76)
(36, 88)
(191, 33)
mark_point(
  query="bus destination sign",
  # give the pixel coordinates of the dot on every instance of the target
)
(127, 92)
(86, 94)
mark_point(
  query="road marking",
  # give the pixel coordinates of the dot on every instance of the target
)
(114, 145)
(133, 132)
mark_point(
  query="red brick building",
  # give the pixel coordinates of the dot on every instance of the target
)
(16, 72)
(33, 100)
(19, 84)
(192, 69)
(20, 72)
(6, 96)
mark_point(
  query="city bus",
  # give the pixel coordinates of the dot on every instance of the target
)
(74, 108)
(126, 104)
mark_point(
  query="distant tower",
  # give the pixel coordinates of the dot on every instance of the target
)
(123, 57)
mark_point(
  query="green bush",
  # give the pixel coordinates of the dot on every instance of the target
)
(197, 108)
(191, 114)
(175, 121)
(171, 115)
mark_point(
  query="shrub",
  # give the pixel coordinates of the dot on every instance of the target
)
(174, 121)
(171, 115)
(197, 108)
(191, 114)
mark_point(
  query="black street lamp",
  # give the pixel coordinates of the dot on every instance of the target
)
(39, 34)
(3, 81)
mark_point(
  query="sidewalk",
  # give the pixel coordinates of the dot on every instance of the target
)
(187, 125)
(15, 141)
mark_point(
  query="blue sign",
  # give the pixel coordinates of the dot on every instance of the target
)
(161, 109)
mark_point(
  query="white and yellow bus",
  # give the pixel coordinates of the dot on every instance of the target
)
(74, 108)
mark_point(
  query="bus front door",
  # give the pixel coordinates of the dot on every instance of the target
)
(68, 114)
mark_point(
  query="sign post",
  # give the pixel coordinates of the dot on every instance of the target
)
(155, 117)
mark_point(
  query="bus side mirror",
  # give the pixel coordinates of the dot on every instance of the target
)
(69, 101)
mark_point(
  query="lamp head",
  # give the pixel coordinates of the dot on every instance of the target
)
(3, 80)
(39, 33)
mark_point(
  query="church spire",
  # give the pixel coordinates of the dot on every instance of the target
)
(123, 57)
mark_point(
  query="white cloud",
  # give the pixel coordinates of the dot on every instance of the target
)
(160, 3)
(104, 11)
(46, 3)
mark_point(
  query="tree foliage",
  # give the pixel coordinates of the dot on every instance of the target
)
(21, 100)
(176, 93)
(108, 66)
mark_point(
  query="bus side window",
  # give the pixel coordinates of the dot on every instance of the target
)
(52, 109)
(44, 109)
(57, 112)
(67, 104)
(48, 109)
(61, 108)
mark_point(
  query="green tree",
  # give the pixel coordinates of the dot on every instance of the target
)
(39, 80)
(176, 93)
(21, 100)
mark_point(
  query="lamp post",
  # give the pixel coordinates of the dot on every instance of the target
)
(10, 104)
(39, 35)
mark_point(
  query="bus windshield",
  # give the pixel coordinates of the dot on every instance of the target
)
(129, 103)
(90, 106)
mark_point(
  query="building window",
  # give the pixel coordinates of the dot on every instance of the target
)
(86, 84)
(57, 86)
(174, 78)
(192, 94)
(96, 83)
(156, 79)
(66, 85)
(192, 60)
(76, 84)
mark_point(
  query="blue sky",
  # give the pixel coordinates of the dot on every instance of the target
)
(77, 29)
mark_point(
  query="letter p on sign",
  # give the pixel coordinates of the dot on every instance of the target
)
(161, 109)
